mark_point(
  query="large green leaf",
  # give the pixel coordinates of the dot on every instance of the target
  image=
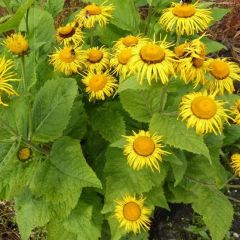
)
(216, 210)
(176, 134)
(62, 177)
(141, 105)
(14, 21)
(213, 46)
(122, 179)
(54, 6)
(51, 109)
(219, 13)
(30, 213)
(232, 134)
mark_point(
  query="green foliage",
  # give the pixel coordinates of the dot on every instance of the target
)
(54, 6)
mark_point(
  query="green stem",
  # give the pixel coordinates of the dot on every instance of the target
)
(7, 6)
(27, 17)
(232, 186)
(23, 72)
(234, 199)
(178, 40)
(228, 180)
(149, 17)
(91, 36)
(163, 97)
(36, 148)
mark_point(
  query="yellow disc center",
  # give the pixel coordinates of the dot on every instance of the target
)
(95, 55)
(219, 69)
(93, 9)
(151, 53)
(97, 82)
(130, 41)
(124, 56)
(181, 50)
(67, 55)
(204, 107)
(184, 10)
(131, 211)
(143, 146)
(198, 62)
(24, 154)
(65, 30)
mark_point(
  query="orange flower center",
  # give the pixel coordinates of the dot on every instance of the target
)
(130, 41)
(184, 10)
(24, 154)
(97, 82)
(131, 211)
(95, 55)
(204, 107)
(198, 62)
(143, 146)
(93, 9)
(219, 69)
(67, 55)
(124, 56)
(65, 30)
(151, 53)
(180, 50)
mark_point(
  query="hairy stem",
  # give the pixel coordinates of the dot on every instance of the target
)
(163, 98)
(23, 72)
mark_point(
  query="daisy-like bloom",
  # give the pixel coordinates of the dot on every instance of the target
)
(24, 154)
(120, 62)
(235, 163)
(185, 18)
(192, 65)
(154, 61)
(236, 112)
(97, 58)
(67, 60)
(17, 44)
(129, 41)
(69, 35)
(93, 14)
(132, 214)
(202, 111)
(6, 76)
(222, 73)
(144, 150)
(99, 85)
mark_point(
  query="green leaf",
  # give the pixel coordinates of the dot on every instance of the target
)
(108, 121)
(141, 105)
(51, 109)
(231, 134)
(216, 210)
(61, 177)
(213, 46)
(219, 13)
(14, 21)
(54, 6)
(118, 173)
(176, 134)
(30, 213)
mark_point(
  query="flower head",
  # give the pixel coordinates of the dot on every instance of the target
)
(132, 214)
(69, 35)
(17, 44)
(185, 18)
(144, 150)
(235, 163)
(24, 154)
(204, 112)
(154, 61)
(92, 14)
(99, 85)
(221, 75)
(96, 58)
(6, 76)
(68, 60)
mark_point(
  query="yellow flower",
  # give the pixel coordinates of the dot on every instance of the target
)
(192, 64)
(185, 18)
(92, 14)
(144, 150)
(96, 58)
(99, 85)
(6, 76)
(68, 60)
(24, 154)
(202, 111)
(236, 112)
(120, 62)
(235, 163)
(154, 61)
(17, 44)
(132, 214)
(69, 35)
(129, 41)
(221, 74)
